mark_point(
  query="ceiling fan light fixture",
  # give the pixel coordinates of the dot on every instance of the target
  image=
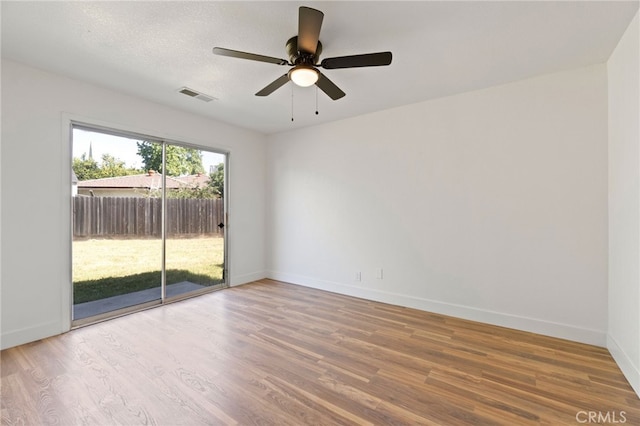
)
(303, 75)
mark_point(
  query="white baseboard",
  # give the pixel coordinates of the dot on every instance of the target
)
(246, 278)
(630, 371)
(533, 325)
(30, 334)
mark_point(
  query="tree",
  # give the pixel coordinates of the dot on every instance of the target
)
(179, 160)
(88, 168)
(216, 181)
(112, 167)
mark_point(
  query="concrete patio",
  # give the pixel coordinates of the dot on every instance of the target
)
(97, 307)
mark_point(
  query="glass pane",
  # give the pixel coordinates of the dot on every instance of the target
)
(117, 223)
(194, 257)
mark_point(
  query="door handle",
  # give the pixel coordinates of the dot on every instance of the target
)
(221, 225)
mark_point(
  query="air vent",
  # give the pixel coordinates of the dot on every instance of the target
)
(194, 94)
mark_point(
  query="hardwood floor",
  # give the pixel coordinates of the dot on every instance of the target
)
(275, 353)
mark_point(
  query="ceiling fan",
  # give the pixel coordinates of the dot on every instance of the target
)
(304, 52)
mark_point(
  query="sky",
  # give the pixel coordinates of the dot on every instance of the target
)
(124, 149)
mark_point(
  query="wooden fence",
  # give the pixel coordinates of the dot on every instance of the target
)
(131, 217)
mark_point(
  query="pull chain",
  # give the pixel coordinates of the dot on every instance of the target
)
(316, 100)
(292, 102)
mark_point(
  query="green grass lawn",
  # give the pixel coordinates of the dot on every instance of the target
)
(104, 268)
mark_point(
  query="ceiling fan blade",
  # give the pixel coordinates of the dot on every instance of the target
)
(276, 84)
(354, 61)
(251, 56)
(328, 87)
(309, 24)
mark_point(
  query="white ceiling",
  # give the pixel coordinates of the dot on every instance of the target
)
(151, 49)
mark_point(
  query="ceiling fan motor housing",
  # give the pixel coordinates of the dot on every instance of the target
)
(297, 57)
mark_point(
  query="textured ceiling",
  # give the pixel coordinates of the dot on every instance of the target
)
(151, 49)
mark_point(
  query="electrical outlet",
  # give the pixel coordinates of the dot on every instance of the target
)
(358, 276)
(379, 273)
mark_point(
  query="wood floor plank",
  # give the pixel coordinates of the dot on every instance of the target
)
(276, 353)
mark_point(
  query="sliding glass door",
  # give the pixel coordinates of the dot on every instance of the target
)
(148, 222)
(195, 229)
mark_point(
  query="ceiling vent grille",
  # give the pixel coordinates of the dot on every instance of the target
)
(195, 94)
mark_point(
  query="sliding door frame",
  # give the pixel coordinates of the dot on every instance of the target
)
(72, 124)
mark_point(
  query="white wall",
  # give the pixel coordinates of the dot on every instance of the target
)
(36, 106)
(623, 339)
(489, 205)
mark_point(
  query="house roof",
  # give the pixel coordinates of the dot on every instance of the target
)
(197, 180)
(149, 181)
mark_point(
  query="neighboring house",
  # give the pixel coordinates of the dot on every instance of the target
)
(141, 185)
